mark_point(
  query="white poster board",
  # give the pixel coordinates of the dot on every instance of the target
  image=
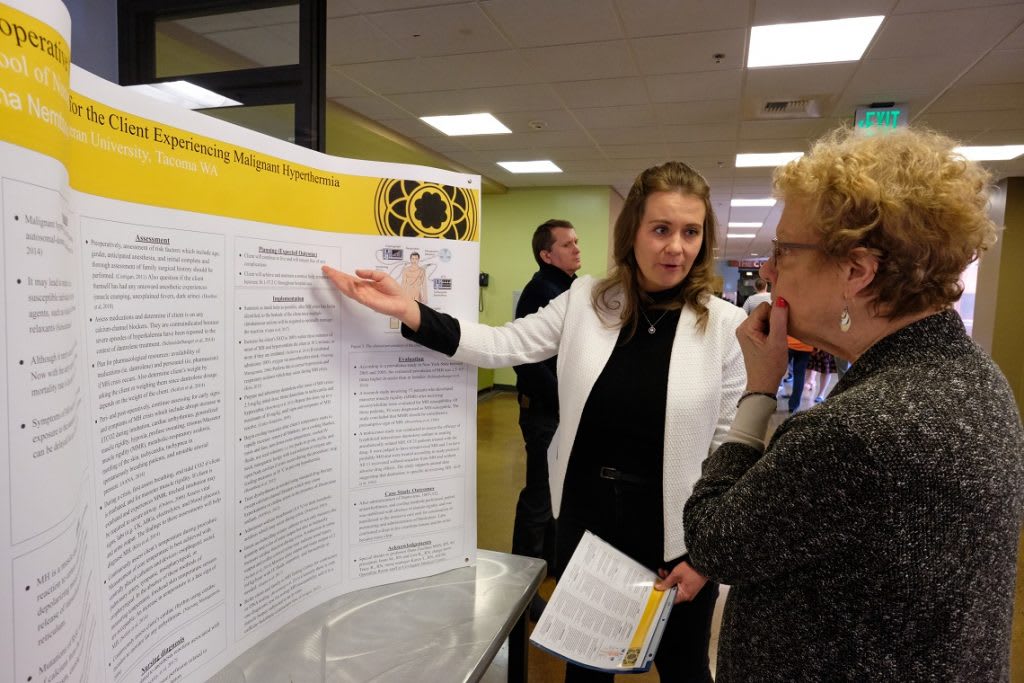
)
(200, 439)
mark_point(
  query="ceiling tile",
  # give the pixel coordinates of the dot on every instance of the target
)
(770, 146)
(535, 23)
(441, 73)
(372, 107)
(371, 6)
(413, 128)
(398, 76)
(528, 141)
(981, 98)
(440, 30)
(351, 40)
(692, 87)
(699, 133)
(1014, 41)
(747, 214)
(612, 117)
(339, 85)
(509, 98)
(656, 150)
(808, 129)
(962, 123)
(971, 31)
(791, 11)
(580, 165)
(998, 66)
(902, 79)
(603, 92)
(688, 52)
(579, 72)
(999, 137)
(910, 6)
(581, 62)
(664, 17)
(790, 82)
(629, 135)
(473, 161)
(442, 143)
(539, 120)
(582, 152)
(722, 150)
(706, 111)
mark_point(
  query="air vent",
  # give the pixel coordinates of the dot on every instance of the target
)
(790, 109)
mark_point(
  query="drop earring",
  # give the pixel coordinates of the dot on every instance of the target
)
(844, 319)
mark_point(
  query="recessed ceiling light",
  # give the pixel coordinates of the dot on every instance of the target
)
(741, 224)
(811, 42)
(753, 253)
(775, 159)
(467, 124)
(184, 94)
(768, 201)
(990, 152)
(739, 235)
(544, 166)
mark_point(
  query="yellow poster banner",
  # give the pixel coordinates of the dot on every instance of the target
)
(113, 153)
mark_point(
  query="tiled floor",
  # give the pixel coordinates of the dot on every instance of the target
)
(500, 474)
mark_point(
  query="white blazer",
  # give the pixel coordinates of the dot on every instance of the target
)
(706, 378)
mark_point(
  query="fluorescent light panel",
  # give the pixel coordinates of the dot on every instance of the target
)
(184, 94)
(544, 166)
(768, 201)
(775, 159)
(811, 42)
(467, 124)
(739, 235)
(990, 152)
(742, 224)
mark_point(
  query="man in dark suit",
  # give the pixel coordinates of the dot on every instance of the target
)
(556, 249)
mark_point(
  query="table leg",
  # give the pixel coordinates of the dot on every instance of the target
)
(517, 651)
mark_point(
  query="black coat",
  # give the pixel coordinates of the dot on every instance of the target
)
(539, 381)
(876, 537)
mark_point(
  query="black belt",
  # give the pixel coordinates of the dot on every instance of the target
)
(618, 475)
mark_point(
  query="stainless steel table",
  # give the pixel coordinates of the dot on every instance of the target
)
(442, 628)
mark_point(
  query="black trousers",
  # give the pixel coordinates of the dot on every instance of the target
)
(629, 517)
(533, 532)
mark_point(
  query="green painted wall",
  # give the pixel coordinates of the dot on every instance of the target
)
(1009, 314)
(508, 223)
(1007, 334)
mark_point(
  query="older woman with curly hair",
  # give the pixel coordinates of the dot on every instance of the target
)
(875, 538)
(649, 374)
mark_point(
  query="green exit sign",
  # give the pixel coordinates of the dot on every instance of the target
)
(874, 118)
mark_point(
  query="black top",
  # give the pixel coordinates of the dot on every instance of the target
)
(622, 427)
(539, 381)
(876, 537)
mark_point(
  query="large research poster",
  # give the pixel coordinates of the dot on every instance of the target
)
(201, 440)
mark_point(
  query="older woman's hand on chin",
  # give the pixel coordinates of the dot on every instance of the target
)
(762, 338)
(378, 291)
